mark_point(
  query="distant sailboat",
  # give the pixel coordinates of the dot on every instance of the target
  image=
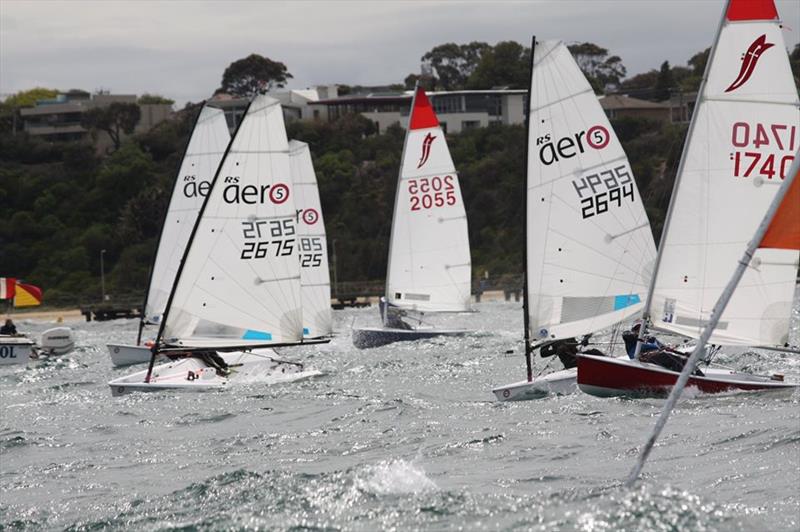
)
(238, 286)
(740, 145)
(429, 267)
(210, 138)
(589, 247)
(315, 282)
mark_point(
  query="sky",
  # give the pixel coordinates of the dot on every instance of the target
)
(180, 48)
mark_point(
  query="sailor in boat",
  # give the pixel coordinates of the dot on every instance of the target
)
(654, 352)
(631, 336)
(567, 350)
(9, 328)
(392, 316)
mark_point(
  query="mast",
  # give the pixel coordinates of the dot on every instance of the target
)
(397, 194)
(526, 316)
(678, 177)
(154, 349)
(142, 317)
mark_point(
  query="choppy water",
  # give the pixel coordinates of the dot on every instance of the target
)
(404, 437)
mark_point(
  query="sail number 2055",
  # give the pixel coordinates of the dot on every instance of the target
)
(264, 236)
(601, 190)
(429, 192)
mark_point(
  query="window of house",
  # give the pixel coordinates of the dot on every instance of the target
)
(470, 124)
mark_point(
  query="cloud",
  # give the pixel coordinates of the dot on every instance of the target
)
(180, 49)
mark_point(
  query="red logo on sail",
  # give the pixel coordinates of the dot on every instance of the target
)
(749, 60)
(426, 150)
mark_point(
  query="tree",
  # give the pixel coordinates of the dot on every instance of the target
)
(507, 64)
(146, 99)
(115, 119)
(601, 70)
(453, 63)
(665, 82)
(794, 61)
(28, 98)
(253, 75)
(426, 81)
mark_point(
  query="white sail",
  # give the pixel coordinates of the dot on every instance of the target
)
(589, 244)
(315, 282)
(204, 152)
(429, 259)
(744, 132)
(240, 280)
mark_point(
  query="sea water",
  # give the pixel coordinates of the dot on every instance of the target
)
(402, 437)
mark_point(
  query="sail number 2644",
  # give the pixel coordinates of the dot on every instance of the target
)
(429, 192)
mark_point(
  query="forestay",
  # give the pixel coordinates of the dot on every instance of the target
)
(429, 258)
(315, 280)
(240, 281)
(740, 145)
(204, 152)
(589, 244)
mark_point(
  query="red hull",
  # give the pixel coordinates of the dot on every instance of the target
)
(604, 376)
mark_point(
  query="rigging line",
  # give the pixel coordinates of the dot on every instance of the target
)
(611, 238)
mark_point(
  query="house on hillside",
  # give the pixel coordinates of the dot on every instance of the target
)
(59, 118)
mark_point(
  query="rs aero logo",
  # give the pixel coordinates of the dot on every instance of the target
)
(233, 192)
(426, 149)
(749, 61)
(550, 151)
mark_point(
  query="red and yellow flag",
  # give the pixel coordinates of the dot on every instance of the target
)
(27, 295)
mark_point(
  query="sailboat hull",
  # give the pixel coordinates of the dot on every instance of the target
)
(368, 337)
(193, 374)
(126, 355)
(611, 377)
(15, 350)
(557, 383)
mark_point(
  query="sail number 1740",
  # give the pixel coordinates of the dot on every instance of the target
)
(749, 142)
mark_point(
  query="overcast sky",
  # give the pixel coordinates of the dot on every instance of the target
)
(180, 48)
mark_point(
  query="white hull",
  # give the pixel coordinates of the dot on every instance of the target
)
(194, 374)
(558, 383)
(15, 350)
(125, 355)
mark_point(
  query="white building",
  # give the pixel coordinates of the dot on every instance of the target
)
(457, 110)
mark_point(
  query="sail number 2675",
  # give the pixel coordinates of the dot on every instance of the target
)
(264, 236)
(429, 192)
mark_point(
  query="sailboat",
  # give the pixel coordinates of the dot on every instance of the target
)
(740, 145)
(589, 247)
(315, 281)
(237, 288)
(209, 139)
(429, 268)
